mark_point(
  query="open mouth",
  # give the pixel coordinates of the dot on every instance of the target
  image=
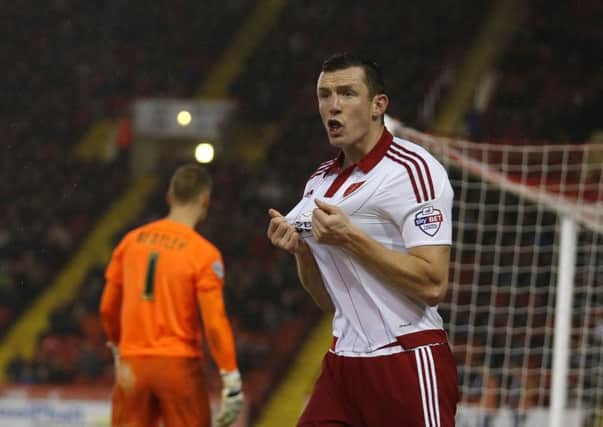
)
(334, 125)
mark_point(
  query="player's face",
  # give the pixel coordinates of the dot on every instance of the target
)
(345, 107)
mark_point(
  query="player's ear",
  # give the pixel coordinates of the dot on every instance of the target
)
(379, 105)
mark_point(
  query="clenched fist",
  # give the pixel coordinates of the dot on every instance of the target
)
(283, 235)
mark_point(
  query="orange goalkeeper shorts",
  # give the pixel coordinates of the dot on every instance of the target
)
(150, 388)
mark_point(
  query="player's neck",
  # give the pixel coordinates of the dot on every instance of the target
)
(357, 151)
(187, 215)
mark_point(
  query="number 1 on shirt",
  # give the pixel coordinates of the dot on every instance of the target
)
(149, 281)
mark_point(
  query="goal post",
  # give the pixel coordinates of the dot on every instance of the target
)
(563, 320)
(525, 307)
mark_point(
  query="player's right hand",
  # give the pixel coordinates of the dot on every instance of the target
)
(282, 234)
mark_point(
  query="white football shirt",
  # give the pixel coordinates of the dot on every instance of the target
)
(400, 195)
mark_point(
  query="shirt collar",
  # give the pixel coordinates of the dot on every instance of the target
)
(370, 160)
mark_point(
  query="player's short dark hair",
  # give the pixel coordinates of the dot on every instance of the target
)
(372, 71)
(188, 182)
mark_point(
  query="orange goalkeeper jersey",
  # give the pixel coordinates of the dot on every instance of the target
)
(160, 277)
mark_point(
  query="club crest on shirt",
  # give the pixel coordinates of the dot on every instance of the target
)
(353, 187)
(429, 220)
(303, 222)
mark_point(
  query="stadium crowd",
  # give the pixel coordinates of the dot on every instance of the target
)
(261, 295)
(67, 64)
(100, 62)
(549, 85)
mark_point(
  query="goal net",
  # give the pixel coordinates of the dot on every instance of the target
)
(525, 308)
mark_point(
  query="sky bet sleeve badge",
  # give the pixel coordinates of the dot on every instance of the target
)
(429, 220)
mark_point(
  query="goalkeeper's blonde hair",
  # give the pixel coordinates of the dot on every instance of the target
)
(188, 182)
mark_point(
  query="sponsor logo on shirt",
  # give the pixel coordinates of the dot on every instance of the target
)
(303, 222)
(309, 193)
(353, 187)
(429, 220)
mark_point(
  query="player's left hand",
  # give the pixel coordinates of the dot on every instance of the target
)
(330, 225)
(232, 399)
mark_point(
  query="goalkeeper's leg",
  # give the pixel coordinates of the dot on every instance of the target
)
(133, 403)
(182, 392)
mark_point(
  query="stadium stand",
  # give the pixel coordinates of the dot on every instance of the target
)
(309, 31)
(81, 66)
(72, 350)
(51, 197)
(548, 84)
(124, 58)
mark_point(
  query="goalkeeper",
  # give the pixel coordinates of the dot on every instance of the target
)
(160, 277)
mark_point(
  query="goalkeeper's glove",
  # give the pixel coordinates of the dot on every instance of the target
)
(232, 398)
(115, 351)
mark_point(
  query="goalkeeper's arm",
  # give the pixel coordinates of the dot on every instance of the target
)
(220, 341)
(110, 309)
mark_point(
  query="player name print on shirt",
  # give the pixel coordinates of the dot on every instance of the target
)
(163, 240)
(429, 220)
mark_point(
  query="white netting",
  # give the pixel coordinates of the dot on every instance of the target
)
(500, 312)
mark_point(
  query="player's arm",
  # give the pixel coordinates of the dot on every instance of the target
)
(218, 331)
(110, 309)
(421, 273)
(283, 235)
(111, 300)
(220, 341)
(311, 279)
